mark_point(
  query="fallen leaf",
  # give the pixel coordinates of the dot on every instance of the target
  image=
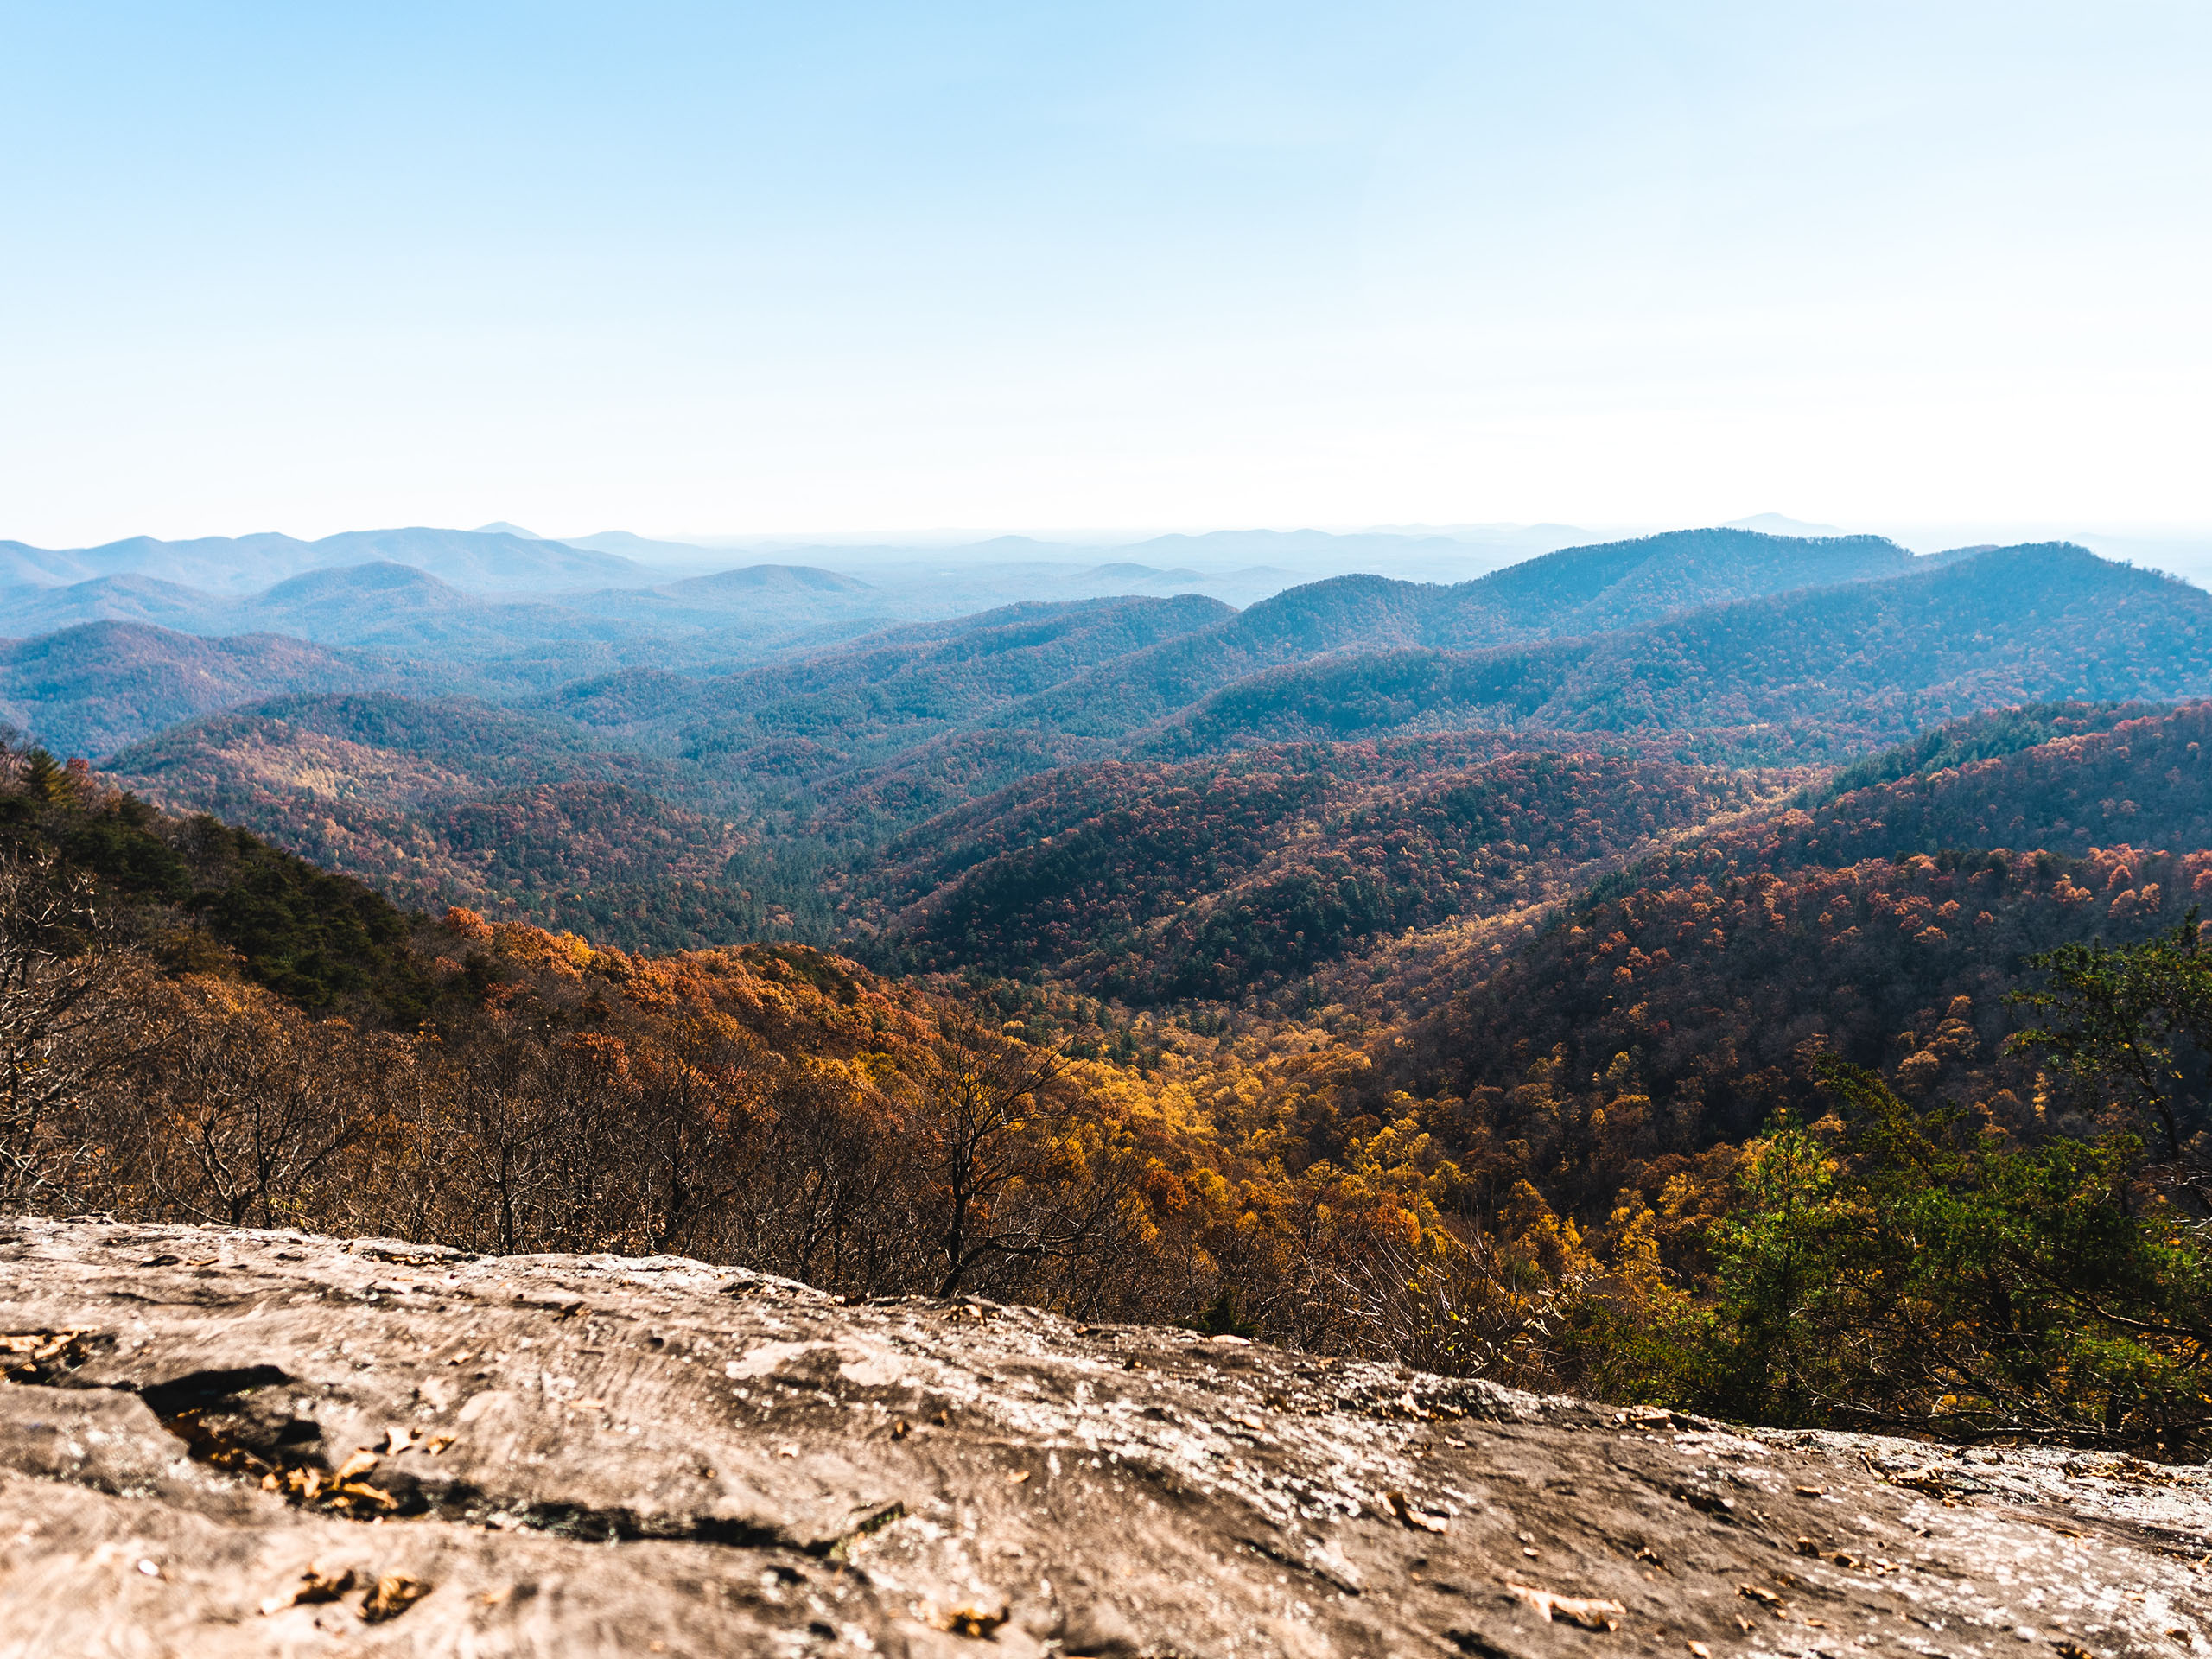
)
(971, 1621)
(901, 1429)
(395, 1440)
(315, 1585)
(1807, 1547)
(1700, 1650)
(394, 1594)
(1410, 1515)
(1017, 1477)
(437, 1443)
(360, 1463)
(1588, 1612)
(1760, 1594)
(21, 1352)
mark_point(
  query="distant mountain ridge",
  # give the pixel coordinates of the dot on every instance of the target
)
(480, 560)
(1576, 591)
(1865, 662)
(589, 757)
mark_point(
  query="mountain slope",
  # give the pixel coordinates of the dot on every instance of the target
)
(1573, 592)
(1676, 1006)
(27, 612)
(892, 691)
(452, 801)
(202, 896)
(1212, 879)
(90, 691)
(1797, 674)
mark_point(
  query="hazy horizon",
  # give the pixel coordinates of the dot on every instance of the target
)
(2184, 550)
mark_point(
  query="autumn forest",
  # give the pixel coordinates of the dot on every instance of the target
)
(1750, 974)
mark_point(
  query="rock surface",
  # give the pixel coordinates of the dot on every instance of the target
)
(241, 1443)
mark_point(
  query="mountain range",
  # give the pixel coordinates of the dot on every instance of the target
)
(1521, 976)
(771, 735)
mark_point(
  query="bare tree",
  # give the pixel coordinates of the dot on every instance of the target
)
(1006, 1182)
(502, 1132)
(254, 1099)
(61, 974)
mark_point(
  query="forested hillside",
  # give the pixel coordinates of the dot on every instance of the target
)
(1574, 591)
(90, 691)
(892, 692)
(1805, 677)
(1319, 1042)
(787, 799)
(1211, 880)
(1383, 968)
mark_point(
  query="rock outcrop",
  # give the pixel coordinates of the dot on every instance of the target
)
(242, 1443)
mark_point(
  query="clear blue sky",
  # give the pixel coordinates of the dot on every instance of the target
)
(723, 268)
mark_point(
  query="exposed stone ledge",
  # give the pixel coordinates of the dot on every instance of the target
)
(236, 1443)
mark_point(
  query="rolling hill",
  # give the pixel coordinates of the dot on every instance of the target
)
(1573, 592)
(90, 691)
(1802, 676)
(1211, 879)
(453, 801)
(789, 724)
(1676, 1006)
(814, 762)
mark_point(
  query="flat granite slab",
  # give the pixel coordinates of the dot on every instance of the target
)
(219, 1442)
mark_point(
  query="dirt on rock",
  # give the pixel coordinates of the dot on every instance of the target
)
(232, 1443)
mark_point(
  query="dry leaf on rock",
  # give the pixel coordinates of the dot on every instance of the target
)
(1403, 1508)
(1591, 1613)
(314, 1585)
(971, 1621)
(394, 1594)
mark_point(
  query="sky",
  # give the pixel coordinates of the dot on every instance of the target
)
(737, 269)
